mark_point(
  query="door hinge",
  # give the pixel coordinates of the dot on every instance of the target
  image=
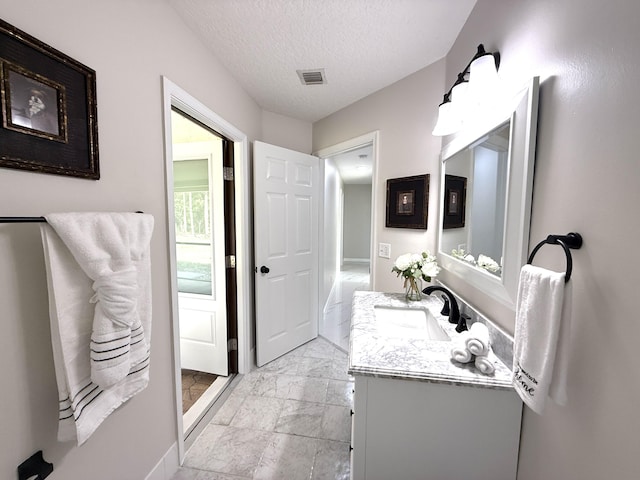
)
(230, 261)
(232, 344)
(227, 173)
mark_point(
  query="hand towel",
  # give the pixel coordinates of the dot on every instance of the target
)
(459, 351)
(485, 365)
(558, 385)
(478, 340)
(84, 405)
(107, 247)
(540, 311)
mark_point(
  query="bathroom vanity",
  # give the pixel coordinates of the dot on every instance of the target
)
(417, 414)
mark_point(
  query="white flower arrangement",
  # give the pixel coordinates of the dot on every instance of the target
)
(416, 265)
(462, 255)
(484, 261)
(488, 263)
(458, 253)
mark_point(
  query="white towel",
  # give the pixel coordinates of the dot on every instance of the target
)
(459, 351)
(83, 403)
(558, 385)
(485, 365)
(478, 341)
(539, 357)
(107, 246)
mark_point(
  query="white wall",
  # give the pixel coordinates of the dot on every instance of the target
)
(130, 44)
(357, 222)
(406, 147)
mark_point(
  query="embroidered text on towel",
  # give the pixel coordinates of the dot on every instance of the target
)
(519, 376)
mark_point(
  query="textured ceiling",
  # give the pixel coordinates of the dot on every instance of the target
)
(355, 166)
(363, 45)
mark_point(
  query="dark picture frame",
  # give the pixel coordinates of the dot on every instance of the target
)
(408, 202)
(455, 195)
(48, 108)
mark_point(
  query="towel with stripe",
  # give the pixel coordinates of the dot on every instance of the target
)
(99, 282)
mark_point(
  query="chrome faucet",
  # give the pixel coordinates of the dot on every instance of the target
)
(454, 312)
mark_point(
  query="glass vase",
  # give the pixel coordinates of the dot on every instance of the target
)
(413, 288)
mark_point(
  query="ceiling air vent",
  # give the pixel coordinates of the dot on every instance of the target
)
(312, 77)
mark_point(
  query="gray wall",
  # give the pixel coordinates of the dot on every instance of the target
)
(333, 191)
(356, 242)
(130, 44)
(585, 180)
(286, 132)
(586, 173)
(402, 115)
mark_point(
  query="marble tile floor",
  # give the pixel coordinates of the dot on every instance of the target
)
(287, 420)
(336, 322)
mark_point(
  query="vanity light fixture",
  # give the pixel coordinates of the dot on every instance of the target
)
(477, 81)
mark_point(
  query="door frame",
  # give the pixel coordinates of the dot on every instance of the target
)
(323, 153)
(174, 96)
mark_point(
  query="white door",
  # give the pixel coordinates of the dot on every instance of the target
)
(287, 193)
(200, 240)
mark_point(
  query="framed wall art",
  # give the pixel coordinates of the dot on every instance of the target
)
(455, 194)
(408, 202)
(48, 107)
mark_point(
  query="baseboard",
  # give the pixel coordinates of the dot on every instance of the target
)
(168, 465)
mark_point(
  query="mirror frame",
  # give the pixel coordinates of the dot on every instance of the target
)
(523, 114)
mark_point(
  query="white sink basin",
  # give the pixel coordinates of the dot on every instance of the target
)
(403, 322)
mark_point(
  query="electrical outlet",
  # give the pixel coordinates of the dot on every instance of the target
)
(384, 250)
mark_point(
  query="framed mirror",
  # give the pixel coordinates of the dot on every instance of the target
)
(485, 208)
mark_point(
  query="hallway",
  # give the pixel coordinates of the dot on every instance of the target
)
(289, 419)
(336, 322)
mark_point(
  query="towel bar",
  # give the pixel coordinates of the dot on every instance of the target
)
(27, 219)
(22, 219)
(570, 240)
(35, 467)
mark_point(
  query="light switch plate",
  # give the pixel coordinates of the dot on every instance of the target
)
(384, 250)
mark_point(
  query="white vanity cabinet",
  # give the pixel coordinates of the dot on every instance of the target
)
(419, 430)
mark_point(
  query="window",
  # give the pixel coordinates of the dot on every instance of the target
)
(192, 204)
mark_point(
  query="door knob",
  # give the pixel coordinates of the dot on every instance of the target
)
(264, 269)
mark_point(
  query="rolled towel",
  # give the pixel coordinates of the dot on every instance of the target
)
(478, 341)
(459, 352)
(112, 248)
(117, 339)
(485, 365)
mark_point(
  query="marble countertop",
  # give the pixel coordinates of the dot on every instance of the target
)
(373, 353)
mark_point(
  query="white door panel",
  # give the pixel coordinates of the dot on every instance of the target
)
(197, 326)
(197, 339)
(287, 192)
(203, 317)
